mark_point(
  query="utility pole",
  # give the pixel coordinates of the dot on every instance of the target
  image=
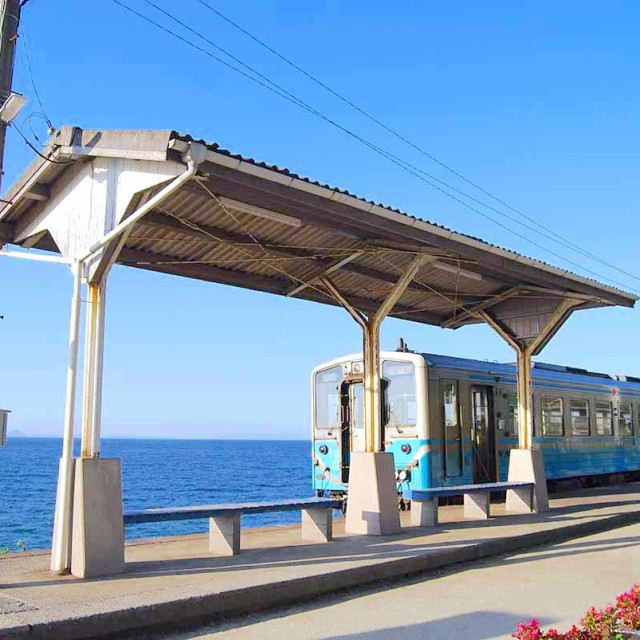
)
(10, 19)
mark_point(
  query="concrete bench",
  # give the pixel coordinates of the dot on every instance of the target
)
(225, 519)
(477, 500)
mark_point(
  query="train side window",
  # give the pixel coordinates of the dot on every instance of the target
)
(513, 414)
(400, 392)
(552, 416)
(625, 419)
(580, 417)
(604, 419)
(452, 429)
(327, 406)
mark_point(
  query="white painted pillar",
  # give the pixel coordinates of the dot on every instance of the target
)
(98, 370)
(61, 546)
(93, 369)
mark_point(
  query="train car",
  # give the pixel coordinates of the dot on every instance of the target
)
(452, 421)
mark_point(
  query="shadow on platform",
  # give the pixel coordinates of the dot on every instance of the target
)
(475, 625)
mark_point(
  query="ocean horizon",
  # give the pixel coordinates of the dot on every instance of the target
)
(156, 472)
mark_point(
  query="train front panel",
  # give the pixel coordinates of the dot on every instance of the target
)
(338, 420)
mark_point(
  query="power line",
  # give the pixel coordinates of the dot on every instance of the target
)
(23, 33)
(277, 89)
(35, 149)
(555, 237)
(388, 154)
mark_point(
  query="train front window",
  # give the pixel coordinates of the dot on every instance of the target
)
(580, 417)
(327, 406)
(552, 416)
(357, 405)
(400, 393)
(625, 419)
(604, 419)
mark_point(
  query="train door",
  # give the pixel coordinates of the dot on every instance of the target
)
(352, 422)
(483, 440)
(452, 429)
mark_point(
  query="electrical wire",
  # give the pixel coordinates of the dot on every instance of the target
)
(397, 159)
(34, 148)
(556, 237)
(390, 155)
(275, 88)
(23, 35)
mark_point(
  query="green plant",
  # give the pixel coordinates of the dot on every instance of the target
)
(4, 551)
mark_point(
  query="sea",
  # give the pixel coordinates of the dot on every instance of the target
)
(155, 473)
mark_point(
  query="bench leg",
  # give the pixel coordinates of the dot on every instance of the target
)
(477, 506)
(520, 500)
(424, 513)
(317, 524)
(224, 535)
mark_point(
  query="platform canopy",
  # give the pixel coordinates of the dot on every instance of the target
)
(162, 201)
(249, 224)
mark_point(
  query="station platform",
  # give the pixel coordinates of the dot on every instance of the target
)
(175, 581)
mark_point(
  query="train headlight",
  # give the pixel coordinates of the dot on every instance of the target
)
(405, 448)
(323, 449)
(402, 475)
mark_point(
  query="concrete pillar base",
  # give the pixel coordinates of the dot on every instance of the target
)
(526, 465)
(424, 513)
(372, 506)
(97, 547)
(224, 535)
(477, 506)
(317, 525)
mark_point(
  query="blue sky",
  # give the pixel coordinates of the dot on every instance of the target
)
(538, 103)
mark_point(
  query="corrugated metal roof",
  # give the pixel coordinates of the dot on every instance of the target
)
(215, 147)
(191, 234)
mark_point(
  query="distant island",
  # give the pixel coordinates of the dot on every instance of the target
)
(16, 433)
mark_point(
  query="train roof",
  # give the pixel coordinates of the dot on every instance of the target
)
(541, 370)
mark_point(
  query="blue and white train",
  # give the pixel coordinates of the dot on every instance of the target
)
(451, 421)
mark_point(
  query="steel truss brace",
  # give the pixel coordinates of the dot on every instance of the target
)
(525, 350)
(370, 325)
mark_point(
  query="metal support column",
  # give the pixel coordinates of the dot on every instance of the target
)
(373, 505)
(98, 370)
(371, 348)
(61, 547)
(524, 351)
(93, 368)
(372, 399)
(526, 463)
(525, 400)
(372, 408)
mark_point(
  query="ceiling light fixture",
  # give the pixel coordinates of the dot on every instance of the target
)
(452, 268)
(259, 212)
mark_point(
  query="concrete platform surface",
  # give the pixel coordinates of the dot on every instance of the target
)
(486, 601)
(174, 581)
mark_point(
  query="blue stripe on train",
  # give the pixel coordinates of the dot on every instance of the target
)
(562, 459)
(594, 456)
